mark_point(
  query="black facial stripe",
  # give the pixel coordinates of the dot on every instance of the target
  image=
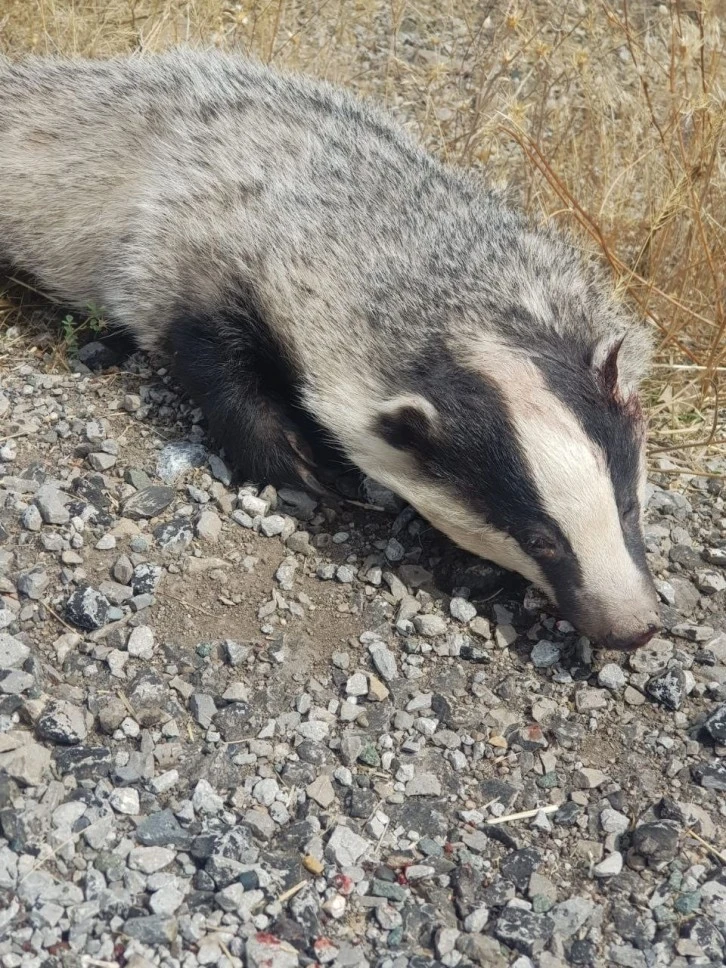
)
(475, 452)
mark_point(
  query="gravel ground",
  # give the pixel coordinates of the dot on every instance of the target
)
(241, 728)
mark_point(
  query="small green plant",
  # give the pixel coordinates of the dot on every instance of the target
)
(93, 323)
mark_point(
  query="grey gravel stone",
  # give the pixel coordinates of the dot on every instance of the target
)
(523, 930)
(424, 785)
(384, 661)
(149, 502)
(545, 654)
(52, 505)
(88, 608)
(13, 652)
(177, 459)
(62, 722)
(430, 625)
(462, 610)
(669, 688)
(346, 847)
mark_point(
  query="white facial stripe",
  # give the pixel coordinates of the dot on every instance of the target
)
(570, 472)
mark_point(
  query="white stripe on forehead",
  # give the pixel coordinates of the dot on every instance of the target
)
(568, 468)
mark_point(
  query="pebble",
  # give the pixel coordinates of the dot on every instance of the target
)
(346, 847)
(177, 459)
(384, 661)
(430, 626)
(462, 610)
(126, 801)
(612, 677)
(141, 643)
(209, 526)
(62, 722)
(545, 654)
(149, 502)
(657, 841)
(424, 785)
(267, 951)
(88, 608)
(52, 505)
(13, 652)
(610, 867)
(669, 688)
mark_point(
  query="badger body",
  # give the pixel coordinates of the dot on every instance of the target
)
(311, 271)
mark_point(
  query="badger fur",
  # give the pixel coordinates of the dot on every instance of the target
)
(309, 269)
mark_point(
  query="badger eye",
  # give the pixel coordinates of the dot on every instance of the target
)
(540, 546)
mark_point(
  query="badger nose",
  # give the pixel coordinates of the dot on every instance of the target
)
(631, 643)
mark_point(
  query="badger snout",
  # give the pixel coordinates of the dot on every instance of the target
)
(624, 627)
(632, 642)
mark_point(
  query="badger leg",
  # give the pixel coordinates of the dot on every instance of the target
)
(247, 394)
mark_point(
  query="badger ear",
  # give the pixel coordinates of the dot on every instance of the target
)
(620, 363)
(407, 422)
(607, 372)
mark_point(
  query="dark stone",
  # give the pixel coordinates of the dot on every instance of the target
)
(202, 881)
(161, 829)
(203, 846)
(712, 776)
(145, 578)
(305, 908)
(657, 841)
(519, 866)
(498, 894)
(494, 789)
(88, 608)
(84, 762)
(419, 813)
(583, 952)
(91, 489)
(716, 724)
(174, 536)
(153, 929)
(629, 925)
(149, 502)
(287, 929)
(233, 722)
(500, 833)
(362, 803)
(668, 688)
(223, 870)
(685, 555)
(250, 880)
(298, 774)
(705, 933)
(568, 814)
(523, 930)
(468, 889)
(668, 809)
(97, 355)
(314, 753)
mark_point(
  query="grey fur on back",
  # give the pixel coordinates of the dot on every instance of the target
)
(142, 183)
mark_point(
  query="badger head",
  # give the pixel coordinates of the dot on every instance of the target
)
(532, 457)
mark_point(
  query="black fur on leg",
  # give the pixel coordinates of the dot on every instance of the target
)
(230, 364)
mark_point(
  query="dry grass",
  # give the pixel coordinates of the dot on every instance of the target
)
(609, 118)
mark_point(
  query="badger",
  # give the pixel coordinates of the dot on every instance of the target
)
(326, 289)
